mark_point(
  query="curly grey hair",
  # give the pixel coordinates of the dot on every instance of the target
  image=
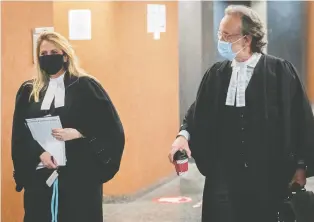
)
(251, 25)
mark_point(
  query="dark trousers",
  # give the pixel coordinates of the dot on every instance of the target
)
(237, 200)
(79, 201)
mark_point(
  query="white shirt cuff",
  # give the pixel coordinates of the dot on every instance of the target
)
(185, 134)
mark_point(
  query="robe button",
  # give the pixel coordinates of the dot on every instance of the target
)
(242, 128)
(241, 115)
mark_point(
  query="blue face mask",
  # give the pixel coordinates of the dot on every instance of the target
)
(225, 49)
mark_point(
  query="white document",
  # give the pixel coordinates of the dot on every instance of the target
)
(80, 24)
(41, 129)
(156, 18)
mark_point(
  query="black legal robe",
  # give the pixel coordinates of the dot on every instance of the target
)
(279, 132)
(91, 160)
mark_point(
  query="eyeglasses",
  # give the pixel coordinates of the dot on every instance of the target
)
(227, 37)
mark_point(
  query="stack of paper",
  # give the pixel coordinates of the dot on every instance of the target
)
(41, 129)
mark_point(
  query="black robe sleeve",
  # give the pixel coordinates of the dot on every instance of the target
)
(195, 119)
(103, 128)
(188, 119)
(302, 122)
(25, 150)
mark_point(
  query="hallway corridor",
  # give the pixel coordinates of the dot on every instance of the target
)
(145, 209)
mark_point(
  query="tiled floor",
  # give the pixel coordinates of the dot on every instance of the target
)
(145, 210)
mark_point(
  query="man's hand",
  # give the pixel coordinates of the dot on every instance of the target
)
(299, 177)
(179, 144)
(66, 134)
(47, 160)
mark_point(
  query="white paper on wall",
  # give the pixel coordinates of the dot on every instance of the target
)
(156, 35)
(80, 24)
(156, 18)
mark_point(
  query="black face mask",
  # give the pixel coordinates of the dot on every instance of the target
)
(51, 64)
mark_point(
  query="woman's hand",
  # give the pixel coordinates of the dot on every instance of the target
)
(66, 134)
(48, 160)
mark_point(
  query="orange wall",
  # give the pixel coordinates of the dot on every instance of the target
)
(310, 51)
(149, 71)
(17, 21)
(141, 76)
(139, 73)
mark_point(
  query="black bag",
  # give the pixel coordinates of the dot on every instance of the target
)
(302, 203)
(286, 213)
(298, 207)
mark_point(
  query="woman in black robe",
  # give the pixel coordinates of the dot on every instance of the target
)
(92, 133)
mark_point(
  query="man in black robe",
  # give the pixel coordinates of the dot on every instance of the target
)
(251, 127)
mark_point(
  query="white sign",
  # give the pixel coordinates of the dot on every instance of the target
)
(156, 35)
(156, 19)
(80, 25)
(36, 33)
(162, 18)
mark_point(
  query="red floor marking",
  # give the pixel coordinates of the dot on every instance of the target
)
(174, 200)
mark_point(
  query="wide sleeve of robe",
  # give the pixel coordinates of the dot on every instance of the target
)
(302, 122)
(25, 150)
(187, 121)
(103, 128)
(195, 120)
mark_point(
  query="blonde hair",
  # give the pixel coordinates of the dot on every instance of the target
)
(73, 68)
